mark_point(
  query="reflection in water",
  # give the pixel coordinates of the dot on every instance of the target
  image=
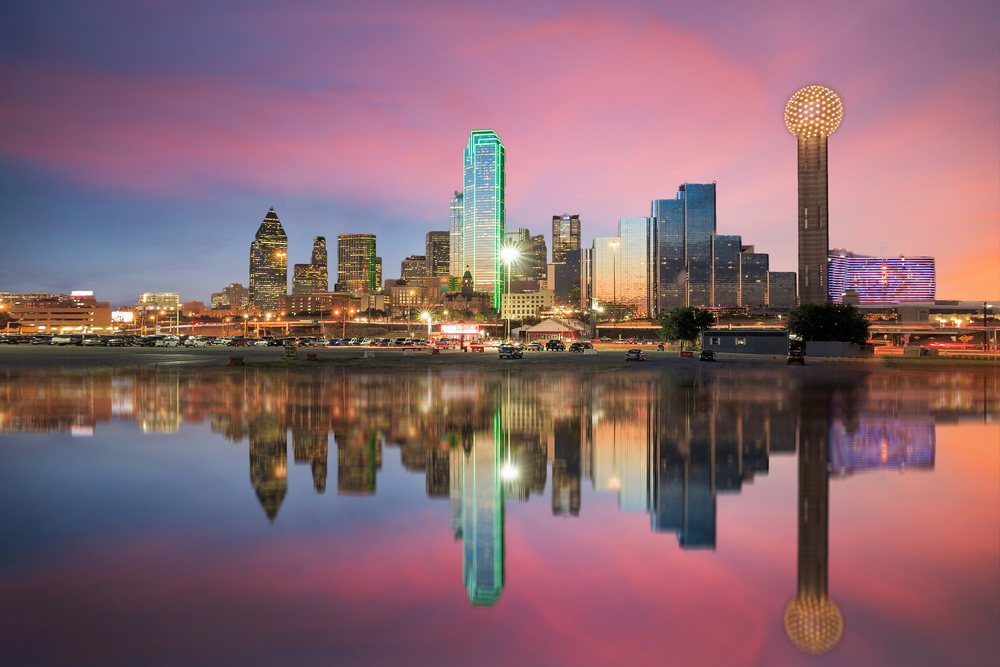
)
(665, 445)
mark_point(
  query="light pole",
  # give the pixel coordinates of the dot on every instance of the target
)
(409, 313)
(427, 316)
(614, 280)
(508, 256)
(343, 334)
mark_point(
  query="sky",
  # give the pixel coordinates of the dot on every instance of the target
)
(141, 144)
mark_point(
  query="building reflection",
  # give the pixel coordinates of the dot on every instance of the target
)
(663, 445)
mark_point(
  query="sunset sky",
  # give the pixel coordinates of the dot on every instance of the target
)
(141, 144)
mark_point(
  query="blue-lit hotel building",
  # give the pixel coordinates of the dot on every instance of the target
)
(880, 279)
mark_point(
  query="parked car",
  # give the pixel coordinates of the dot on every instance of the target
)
(707, 355)
(169, 341)
(576, 347)
(117, 341)
(535, 346)
(40, 340)
(635, 354)
(556, 345)
(797, 357)
(509, 352)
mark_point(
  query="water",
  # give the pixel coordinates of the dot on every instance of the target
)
(749, 516)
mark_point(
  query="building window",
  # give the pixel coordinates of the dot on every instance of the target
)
(715, 341)
(741, 341)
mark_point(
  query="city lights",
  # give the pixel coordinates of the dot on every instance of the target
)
(813, 111)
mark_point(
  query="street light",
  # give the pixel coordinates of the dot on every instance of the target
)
(508, 256)
(614, 279)
(427, 316)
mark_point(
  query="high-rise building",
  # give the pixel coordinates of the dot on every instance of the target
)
(881, 279)
(538, 253)
(725, 271)
(268, 264)
(683, 249)
(621, 275)
(812, 115)
(356, 264)
(237, 296)
(378, 271)
(565, 236)
(413, 269)
(753, 278)
(518, 237)
(312, 277)
(484, 211)
(781, 290)
(438, 253)
(483, 549)
(456, 267)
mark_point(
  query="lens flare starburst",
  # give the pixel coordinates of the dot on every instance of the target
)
(813, 111)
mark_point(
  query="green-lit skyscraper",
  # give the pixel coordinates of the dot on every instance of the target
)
(483, 517)
(269, 264)
(358, 269)
(483, 212)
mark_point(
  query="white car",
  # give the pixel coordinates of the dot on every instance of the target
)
(196, 342)
(260, 343)
(166, 342)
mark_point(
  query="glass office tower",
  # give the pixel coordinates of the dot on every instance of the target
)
(726, 271)
(683, 246)
(455, 267)
(357, 268)
(438, 253)
(269, 264)
(753, 279)
(635, 279)
(565, 236)
(483, 211)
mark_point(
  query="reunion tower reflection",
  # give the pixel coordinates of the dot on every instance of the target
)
(812, 620)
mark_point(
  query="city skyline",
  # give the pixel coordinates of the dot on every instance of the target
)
(157, 179)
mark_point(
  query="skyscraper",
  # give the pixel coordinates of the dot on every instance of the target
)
(356, 264)
(726, 271)
(455, 265)
(565, 236)
(438, 253)
(483, 549)
(413, 269)
(753, 278)
(484, 211)
(812, 115)
(269, 264)
(683, 247)
(312, 277)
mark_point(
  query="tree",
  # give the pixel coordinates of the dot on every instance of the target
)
(828, 322)
(685, 324)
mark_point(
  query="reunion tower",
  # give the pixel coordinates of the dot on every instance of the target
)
(812, 115)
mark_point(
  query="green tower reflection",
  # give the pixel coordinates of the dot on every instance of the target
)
(483, 514)
(812, 620)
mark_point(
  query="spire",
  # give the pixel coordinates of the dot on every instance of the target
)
(271, 215)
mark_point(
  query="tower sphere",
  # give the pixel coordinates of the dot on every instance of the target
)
(813, 111)
(814, 624)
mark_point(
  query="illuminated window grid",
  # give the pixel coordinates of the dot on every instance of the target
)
(881, 279)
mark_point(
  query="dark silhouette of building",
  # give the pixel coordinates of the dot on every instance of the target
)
(269, 462)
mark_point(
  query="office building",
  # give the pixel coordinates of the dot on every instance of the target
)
(565, 236)
(455, 265)
(165, 301)
(781, 290)
(881, 279)
(484, 211)
(753, 278)
(683, 247)
(48, 313)
(268, 264)
(519, 238)
(621, 275)
(358, 269)
(237, 296)
(438, 253)
(413, 269)
(726, 271)
(521, 305)
(812, 115)
(312, 277)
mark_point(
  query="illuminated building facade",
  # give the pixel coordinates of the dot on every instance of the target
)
(438, 252)
(413, 269)
(268, 264)
(565, 236)
(455, 264)
(484, 209)
(519, 305)
(312, 277)
(357, 267)
(812, 115)
(881, 279)
(604, 269)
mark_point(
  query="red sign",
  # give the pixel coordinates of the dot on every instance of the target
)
(460, 329)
